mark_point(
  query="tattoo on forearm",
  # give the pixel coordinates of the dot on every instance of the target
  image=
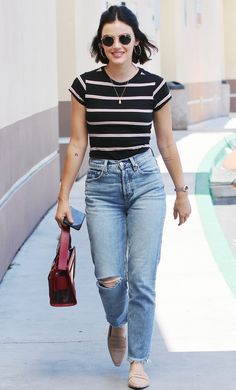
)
(75, 147)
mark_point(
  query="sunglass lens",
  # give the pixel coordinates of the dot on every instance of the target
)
(125, 39)
(107, 41)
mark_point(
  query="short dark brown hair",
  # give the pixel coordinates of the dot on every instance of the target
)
(125, 15)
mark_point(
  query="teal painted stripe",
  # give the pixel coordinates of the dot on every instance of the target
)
(217, 241)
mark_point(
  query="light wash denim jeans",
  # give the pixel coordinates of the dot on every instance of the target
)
(125, 212)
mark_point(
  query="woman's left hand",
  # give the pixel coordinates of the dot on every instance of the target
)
(182, 208)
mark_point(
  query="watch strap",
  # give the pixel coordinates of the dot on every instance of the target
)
(181, 189)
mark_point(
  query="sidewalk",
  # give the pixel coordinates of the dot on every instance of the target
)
(194, 341)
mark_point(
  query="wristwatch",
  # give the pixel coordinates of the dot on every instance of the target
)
(181, 189)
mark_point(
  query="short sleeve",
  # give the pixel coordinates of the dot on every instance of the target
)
(161, 94)
(78, 89)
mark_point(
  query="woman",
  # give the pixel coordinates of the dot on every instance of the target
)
(115, 106)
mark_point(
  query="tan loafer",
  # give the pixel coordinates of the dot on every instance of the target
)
(138, 379)
(116, 347)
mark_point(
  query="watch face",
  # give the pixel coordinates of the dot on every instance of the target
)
(185, 188)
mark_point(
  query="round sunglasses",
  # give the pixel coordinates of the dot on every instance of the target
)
(108, 40)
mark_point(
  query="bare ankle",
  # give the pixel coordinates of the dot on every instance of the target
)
(118, 331)
(136, 364)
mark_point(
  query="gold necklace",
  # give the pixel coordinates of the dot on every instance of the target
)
(119, 96)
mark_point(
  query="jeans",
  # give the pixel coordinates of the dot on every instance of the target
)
(125, 212)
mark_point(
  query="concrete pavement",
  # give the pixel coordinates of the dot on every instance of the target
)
(194, 341)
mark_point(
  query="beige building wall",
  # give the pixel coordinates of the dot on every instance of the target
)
(29, 162)
(168, 39)
(28, 58)
(66, 45)
(230, 52)
(192, 41)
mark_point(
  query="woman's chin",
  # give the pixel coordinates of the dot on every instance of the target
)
(117, 61)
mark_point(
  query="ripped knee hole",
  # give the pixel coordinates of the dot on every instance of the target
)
(110, 282)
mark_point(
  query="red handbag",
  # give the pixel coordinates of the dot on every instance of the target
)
(62, 274)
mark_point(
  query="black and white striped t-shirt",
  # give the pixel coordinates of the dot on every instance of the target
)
(117, 131)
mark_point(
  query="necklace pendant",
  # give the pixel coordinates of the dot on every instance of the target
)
(119, 101)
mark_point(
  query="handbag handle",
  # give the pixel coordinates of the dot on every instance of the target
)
(64, 246)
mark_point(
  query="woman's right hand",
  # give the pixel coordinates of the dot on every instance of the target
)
(63, 210)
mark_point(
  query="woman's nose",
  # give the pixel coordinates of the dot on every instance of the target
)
(116, 42)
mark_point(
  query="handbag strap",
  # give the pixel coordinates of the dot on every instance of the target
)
(64, 247)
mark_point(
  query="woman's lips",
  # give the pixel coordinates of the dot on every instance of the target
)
(117, 54)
